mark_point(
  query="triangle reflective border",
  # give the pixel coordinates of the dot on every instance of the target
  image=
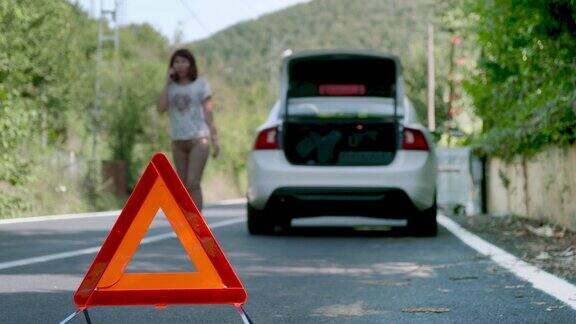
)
(107, 284)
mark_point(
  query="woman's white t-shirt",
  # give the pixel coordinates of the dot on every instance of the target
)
(186, 110)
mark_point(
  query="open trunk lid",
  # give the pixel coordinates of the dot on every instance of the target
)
(340, 109)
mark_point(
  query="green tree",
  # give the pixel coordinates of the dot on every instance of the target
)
(524, 85)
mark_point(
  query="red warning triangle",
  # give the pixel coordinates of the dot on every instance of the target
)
(107, 284)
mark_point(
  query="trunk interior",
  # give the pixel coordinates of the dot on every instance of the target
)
(338, 142)
(323, 124)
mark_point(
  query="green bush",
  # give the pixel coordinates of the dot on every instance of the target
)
(524, 86)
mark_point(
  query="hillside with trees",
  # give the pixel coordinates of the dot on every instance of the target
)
(250, 52)
(244, 59)
(47, 73)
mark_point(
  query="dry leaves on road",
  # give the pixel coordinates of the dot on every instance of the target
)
(542, 231)
(425, 310)
(548, 246)
(385, 282)
(463, 278)
(355, 309)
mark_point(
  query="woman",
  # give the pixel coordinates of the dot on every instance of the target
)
(188, 100)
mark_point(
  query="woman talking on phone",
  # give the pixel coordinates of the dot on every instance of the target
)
(188, 99)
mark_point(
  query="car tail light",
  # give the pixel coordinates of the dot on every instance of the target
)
(267, 139)
(342, 89)
(414, 140)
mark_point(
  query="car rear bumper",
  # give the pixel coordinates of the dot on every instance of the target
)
(369, 202)
(411, 174)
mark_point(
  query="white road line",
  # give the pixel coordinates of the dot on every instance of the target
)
(58, 217)
(99, 214)
(229, 202)
(93, 250)
(540, 279)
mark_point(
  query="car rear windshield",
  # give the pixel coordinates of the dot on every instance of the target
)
(341, 75)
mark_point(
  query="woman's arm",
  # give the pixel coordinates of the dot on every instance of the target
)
(209, 116)
(163, 102)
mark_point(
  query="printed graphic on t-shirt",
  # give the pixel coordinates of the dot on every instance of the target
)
(186, 110)
(182, 101)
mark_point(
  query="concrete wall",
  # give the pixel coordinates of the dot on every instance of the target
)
(541, 187)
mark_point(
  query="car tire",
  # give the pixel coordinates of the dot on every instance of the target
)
(258, 223)
(424, 223)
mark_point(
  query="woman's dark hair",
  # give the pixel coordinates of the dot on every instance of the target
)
(192, 71)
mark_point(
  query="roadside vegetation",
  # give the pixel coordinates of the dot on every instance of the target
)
(522, 50)
(47, 73)
(522, 80)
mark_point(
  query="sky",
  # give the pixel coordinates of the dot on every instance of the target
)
(196, 19)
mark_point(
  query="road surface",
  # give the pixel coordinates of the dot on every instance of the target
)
(325, 270)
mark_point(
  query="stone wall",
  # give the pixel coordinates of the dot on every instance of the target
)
(540, 187)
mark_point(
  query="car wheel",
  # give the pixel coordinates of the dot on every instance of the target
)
(424, 223)
(258, 223)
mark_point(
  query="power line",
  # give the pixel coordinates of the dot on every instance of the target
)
(193, 14)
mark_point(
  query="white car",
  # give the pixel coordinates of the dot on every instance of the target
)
(342, 140)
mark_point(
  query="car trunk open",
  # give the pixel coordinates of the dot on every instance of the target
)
(341, 111)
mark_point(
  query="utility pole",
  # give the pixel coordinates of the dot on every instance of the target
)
(451, 86)
(276, 50)
(108, 32)
(451, 77)
(431, 80)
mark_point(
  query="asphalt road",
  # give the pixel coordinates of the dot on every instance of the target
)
(323, 271)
